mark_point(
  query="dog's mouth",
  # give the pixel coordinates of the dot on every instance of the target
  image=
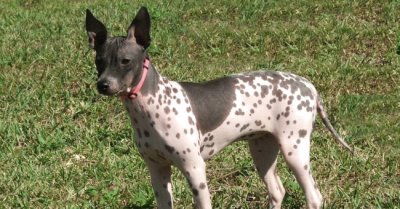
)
(124, 91)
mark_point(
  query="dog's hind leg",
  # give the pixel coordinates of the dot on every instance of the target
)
(264, 150)
(296, 152)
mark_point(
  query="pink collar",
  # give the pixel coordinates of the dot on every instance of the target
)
(133, 93)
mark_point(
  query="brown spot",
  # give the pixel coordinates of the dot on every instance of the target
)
(239, 112)
(258, 122)
(210, 145)
(305, 167)
(175, 111)
(299, 107)
(290, 153)
(244, 127)
(264, 91)
(166, 110)
(298, 141)
(178, 135)
(202, 186)
(302, 133)
(211, 152)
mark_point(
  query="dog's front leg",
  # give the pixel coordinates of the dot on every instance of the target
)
(161, 182)
(194, 170)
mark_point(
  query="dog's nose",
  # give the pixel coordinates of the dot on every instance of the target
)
(103, 86)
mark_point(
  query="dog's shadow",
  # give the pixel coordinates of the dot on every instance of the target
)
(147, 205)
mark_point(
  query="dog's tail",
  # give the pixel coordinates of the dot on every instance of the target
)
(328, 125)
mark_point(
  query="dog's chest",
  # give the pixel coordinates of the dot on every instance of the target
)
(164, 123)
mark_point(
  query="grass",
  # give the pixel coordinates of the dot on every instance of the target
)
(64, 146)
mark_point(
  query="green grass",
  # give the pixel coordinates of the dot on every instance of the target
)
(64, 146)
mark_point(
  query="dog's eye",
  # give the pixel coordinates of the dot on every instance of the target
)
(125, 61)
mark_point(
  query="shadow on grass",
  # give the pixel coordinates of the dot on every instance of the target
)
(147, 205)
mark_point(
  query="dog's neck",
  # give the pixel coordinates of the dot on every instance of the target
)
(141, 108)
(150, 87)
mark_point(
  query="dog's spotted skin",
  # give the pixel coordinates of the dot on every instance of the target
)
(275, 110)
(184, 124)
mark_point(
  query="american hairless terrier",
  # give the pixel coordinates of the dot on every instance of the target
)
(183, 124)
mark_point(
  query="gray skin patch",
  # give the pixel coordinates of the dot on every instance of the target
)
(211, 101)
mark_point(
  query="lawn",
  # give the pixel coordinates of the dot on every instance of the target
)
(62, 145)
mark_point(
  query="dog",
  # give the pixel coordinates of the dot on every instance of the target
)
(183, 124)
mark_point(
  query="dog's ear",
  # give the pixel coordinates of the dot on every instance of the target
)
(139, 29)
(96, 30)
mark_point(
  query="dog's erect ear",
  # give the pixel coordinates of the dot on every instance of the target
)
(139, 29)
(96, 30)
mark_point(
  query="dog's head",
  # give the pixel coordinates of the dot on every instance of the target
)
(119, 60)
